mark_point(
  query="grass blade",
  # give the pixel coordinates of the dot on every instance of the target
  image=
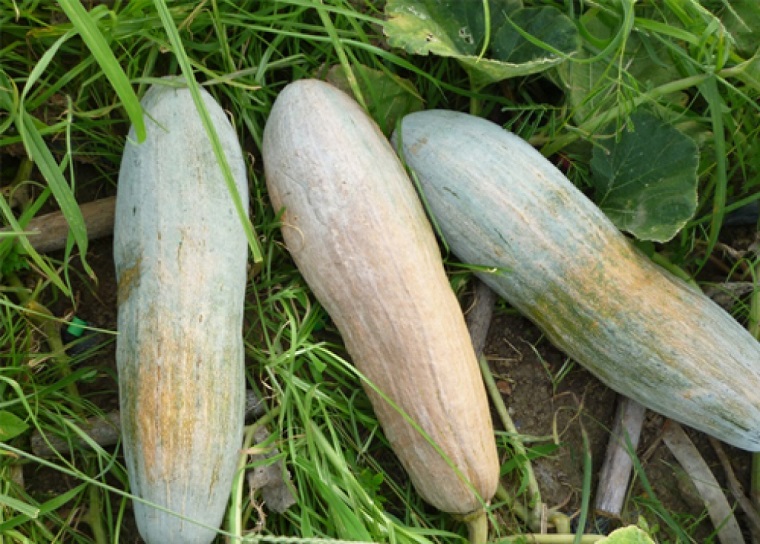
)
(20, 506)
(46, 163)
(192, 84)
(95, 41)
(5, 210)
(709, 89)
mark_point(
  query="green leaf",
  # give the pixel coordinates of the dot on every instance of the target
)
(742, 20)
(388, 97)
(639, 63)
(11, 426)
(627, 535)
(535, 35)
(524, 41)
(27, 510)
(646, 181)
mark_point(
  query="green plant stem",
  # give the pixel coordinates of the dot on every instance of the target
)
(549, 539)
(475, 101)
(561, 523)
(235, 516)
(676, 270)
(477, 527)
(93, 517)
(534, 493)
(586, 496)
(515, 507)
(50, 327)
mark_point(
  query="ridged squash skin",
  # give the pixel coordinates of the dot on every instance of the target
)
(559, 260)
(356, 230)
(181, 256)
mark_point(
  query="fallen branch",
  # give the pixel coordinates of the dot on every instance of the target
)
(737, 490)
(718, 508)
(616, 468)
(49, 232)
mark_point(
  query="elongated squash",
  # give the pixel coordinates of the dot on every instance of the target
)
(181, 254)
(359, 236)
(562, 263)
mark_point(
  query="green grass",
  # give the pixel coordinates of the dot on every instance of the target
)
(70, 80)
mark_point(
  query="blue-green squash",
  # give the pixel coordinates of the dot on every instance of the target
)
(559, 260)
(181, 256)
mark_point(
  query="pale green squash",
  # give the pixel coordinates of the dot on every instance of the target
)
(558, 259)
(181, 256)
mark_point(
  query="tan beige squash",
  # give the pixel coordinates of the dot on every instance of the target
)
(358, 234)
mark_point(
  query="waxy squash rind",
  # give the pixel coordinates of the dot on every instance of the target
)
(181, 257)
(359, 236)
(558, 259)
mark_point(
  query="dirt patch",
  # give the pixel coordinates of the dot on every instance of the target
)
(556, 401)
(550, 398)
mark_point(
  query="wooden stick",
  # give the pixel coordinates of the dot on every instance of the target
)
(737, 490)
(103, 430)
(616, 469)
(49, 232)
(479, 316)
(720, 511)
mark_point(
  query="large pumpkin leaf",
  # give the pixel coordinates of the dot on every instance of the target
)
(519, 41)
(646, 180)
